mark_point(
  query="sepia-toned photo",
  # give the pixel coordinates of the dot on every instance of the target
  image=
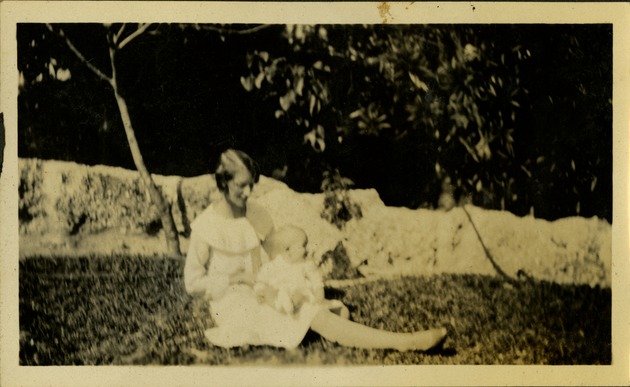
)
(310, 200)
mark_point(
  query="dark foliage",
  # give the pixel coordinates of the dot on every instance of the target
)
(340, 262)
(338, 207)
(517, 116)
(131, 310)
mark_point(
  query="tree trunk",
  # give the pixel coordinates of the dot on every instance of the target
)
(164, 209)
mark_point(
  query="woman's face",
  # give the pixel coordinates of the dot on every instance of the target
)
(239, 188)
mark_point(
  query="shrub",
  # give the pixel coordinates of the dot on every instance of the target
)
(30, 201)
(102, 201)
(338, 207)
(340, 264)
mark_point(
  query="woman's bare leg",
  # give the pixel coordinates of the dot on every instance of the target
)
(352, 334)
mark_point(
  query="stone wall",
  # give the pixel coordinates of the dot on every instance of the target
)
(72, 199)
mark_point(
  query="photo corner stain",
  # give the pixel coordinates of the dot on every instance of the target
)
(383, 10)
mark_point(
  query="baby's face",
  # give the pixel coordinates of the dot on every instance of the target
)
(296, 252)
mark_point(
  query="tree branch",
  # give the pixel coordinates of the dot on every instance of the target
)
(119, 33)
(230, 31)
(79, 55)
(494, 263)
(135, 34)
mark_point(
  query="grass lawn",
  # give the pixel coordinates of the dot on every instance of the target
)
(131, 310)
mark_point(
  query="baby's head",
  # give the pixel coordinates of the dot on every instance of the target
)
(288, 241)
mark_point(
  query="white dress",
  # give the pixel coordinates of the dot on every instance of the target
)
(239, 318)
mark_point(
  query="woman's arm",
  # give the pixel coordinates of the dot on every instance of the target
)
(197, 280)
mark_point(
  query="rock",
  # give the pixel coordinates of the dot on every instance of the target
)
(385, 241)
(303, 210)
(570, 250)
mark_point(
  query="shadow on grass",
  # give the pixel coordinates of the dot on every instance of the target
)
(133, 310)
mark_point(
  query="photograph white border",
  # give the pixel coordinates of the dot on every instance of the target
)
(13, 12)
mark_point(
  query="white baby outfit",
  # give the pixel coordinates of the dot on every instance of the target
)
(290, 278)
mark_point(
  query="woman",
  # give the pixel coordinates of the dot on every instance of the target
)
(224, 256)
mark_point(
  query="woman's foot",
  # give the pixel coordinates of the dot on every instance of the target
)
(425, 340)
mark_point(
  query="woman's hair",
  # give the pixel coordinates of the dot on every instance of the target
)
(231, 162)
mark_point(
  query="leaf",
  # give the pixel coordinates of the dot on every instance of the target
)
(270, 72)
(259, 79)
(323, 34)
(279, 113)
(355, 114)
(515, 103)
(322, 144)
(247, 83)
(310, 137)
(299, 86)
(468, 148)
(312, 101)
(318, 65)
(460, 120)
(417, 82)
(316, 139)
(264, 55)
(593, 183)
(285, 103)
(479, 186)
(249, 58)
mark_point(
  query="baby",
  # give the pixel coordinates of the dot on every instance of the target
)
(289, 280)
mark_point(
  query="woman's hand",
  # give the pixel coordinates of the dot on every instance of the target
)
(266, 294)
(242, 277)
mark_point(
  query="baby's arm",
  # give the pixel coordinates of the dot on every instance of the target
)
(315, 283)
